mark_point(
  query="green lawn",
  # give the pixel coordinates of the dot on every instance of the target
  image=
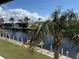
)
(12, 51)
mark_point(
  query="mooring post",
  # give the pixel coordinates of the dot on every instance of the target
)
(67, 52)
(21, 39)
(13, 38)
(51, 48)
(62, 51)
(41, 46)
(77, 55)
(17, 38)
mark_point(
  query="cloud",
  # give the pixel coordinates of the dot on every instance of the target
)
(18, 14)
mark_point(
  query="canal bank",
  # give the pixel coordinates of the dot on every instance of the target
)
(39, 50)
(66, 43)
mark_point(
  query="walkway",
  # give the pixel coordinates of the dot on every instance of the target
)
(39, 50)
(51, 54)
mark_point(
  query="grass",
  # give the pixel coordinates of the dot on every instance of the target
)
(12, 51)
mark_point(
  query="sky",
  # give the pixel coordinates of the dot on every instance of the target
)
(38, 8)
(43, 7)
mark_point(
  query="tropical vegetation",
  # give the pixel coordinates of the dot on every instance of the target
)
(63, 24)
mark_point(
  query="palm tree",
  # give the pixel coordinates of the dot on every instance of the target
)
(60, 25)
(12, 21)
(39, 19)
(25, 21)
(54, 28)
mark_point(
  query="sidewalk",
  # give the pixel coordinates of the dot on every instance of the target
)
(50, 54)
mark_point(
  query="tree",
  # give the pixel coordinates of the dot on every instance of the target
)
(60, 24)
(25, 21)
(39, 19)
(72, 29)
(72, 20)
(56, 27)
(12, 21)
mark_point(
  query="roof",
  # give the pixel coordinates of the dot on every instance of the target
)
(4, 1)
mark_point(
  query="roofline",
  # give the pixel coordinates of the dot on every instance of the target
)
(4, 1)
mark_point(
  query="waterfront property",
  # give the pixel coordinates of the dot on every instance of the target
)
(58, 33)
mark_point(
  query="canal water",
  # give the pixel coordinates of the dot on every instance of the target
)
(66, 43)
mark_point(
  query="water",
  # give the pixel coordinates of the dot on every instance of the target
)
(66, 43)
(21, 34)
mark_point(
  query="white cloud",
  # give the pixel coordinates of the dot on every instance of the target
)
(18, 14)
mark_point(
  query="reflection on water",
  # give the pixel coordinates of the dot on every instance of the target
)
(66, 44)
